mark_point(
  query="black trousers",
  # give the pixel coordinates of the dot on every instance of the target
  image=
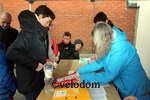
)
(31, 95)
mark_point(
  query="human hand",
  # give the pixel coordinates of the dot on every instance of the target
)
(52, 63)
(130, 98)
(78, 76)
(56, 59)
(40, 66)
(93, 58)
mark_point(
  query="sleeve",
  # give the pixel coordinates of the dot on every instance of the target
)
(71, 51)
(17, 53)
(6, 78)
(55, 47)
(143, 98)
(94, 66)
(76, 54)
(50, 51)
(112, 68)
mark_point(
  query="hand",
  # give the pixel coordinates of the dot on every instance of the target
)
(78, 76)
(56, 59)
(93, 58)
(40, 66)
(130, 98)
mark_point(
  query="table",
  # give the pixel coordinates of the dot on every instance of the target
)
(62, 69)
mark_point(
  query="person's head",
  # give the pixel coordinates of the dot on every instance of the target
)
(101, 16)
(5, 20)
(45, 15)
(102, 38)
(66, 37)
(78, 44)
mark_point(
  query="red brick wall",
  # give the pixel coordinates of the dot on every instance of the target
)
(76, 16)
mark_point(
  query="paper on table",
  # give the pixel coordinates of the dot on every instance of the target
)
(100, 90)
(84, 60)
(105, 85)
(61, 93)
(99, 97)
(98, 93)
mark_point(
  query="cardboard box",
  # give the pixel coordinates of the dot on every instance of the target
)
(65, 66)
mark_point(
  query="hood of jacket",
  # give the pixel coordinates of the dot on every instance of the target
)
(27, 19)
(118, 35)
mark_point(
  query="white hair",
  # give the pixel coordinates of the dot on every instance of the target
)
(6, 15)
(102, 38)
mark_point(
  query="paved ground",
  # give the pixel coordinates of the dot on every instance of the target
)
(18, 96)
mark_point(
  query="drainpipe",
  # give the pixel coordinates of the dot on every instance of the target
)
(1, 8)
(93, 15)
(30, 4)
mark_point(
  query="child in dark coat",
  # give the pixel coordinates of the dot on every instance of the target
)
(78, 45)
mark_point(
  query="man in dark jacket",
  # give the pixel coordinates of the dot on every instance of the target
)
(66, 48)
(28, 51)
(7, 33)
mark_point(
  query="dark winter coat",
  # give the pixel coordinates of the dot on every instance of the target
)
(8, 36)
(27, 51)
(66, 51)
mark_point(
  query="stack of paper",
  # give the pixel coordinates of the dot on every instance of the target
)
(84, 61)
(98, 93)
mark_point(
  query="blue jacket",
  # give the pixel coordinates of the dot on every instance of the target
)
(121, 65)
(143, 98)
(7, 80)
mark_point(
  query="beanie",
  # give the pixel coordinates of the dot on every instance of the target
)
(78, 41)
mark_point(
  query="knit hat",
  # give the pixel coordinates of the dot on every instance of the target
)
(26, 14)
(78, 41)
(101, 16)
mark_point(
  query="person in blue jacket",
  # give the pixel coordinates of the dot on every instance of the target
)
(137, 98)
(7, 79)
(119, 59)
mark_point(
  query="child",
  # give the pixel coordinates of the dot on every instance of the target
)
(66, 48)
(78, 45)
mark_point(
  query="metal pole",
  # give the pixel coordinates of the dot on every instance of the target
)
(93, 14)
(30, 7)
(1, 8)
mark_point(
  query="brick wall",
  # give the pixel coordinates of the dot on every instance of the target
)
(76, 16)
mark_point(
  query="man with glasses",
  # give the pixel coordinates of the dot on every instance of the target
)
(28, 51)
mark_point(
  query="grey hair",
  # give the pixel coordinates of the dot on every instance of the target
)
(102, 38)
(6, 14)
